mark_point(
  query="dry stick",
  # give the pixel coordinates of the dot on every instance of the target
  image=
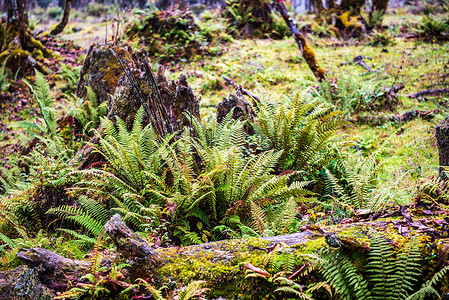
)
(244, 92)
(429, 93)
(306, 50)
(161, 128)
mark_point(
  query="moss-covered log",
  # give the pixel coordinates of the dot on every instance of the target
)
(223, 264)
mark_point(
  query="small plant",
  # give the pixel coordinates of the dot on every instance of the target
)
(54, 12)
(381, 38)
(432, 28)
(4, 77)
(71, 75)
(373, 19)
(322, 30)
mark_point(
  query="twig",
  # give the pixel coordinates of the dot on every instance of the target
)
(305, 49)
(244, 92)
(429, 93)
(297, 272)
(359, 60)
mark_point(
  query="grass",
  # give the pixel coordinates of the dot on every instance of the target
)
(277, 70)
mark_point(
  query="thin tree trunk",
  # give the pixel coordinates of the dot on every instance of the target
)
(65, 19)
(305, 49)
(22, 18)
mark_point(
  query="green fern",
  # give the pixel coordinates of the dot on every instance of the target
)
(428, 289)
(304, 131)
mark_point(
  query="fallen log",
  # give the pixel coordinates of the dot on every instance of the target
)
(220, 263)
(442, 137)
(244, 92)
(434, 92)
(376, 120)
(359, 60)
(52, 268)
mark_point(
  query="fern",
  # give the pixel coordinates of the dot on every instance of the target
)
(90, 215)
(304, 132)
(45, 100)
(427, 289)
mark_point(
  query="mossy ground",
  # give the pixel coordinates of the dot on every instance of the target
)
(275, 70)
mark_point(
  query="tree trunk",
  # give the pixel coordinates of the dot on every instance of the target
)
(22, 18)
(65, 19)
(442, 137)
(306, 50)
(380, 5)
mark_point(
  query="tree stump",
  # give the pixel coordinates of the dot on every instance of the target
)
(126, 81)
(442, 136)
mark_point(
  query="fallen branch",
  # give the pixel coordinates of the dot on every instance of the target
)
(429, 93)
(305, 49)
(359, 60)
(244, 92)
(401, 118)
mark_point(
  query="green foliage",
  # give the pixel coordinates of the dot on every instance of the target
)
(87, 111)
(45, 99)
(173, 35)
(71, 75)
(373, 19)
(322, 30)
(251, 19)
(356, 188)
(428, 288)
(381, 38)
(54, 12)
(432, 27)
(303, 130)
(88, 214)
(352, 94)
(4, 77)
(391, 275)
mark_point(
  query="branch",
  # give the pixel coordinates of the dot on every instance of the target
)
(429, 93)
(306, 50)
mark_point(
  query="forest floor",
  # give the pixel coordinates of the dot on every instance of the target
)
(275, 71)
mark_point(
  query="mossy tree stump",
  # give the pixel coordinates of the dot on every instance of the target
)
(125, 81)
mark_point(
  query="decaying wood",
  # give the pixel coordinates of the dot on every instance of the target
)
(360, 60)
(305, 49)
(442, 137)
(54, 271)
(126, 81)
(244, 92)
(52, 267)
(429, 93)
(128, 243)
(241, 109)
(408, 116)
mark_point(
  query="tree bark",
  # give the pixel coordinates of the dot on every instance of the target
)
(52, 267)
(380, 5)
(128, 243)
(442, 137)
(65, 19)
(22, 17)
(306, 50)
